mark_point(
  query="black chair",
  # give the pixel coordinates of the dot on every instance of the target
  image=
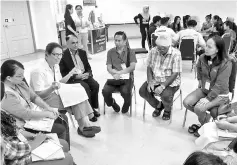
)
(187, 51)
(232, 80)
(227, 39)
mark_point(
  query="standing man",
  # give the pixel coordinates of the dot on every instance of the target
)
(120, 60)
(74, 57)
(163, 76)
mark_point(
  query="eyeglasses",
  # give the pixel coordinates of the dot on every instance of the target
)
(57, 54)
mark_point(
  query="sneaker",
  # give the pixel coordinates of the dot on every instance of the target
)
(95, 129)
(115, 106)
(86, 133)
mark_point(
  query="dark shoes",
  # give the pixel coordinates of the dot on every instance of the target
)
(166, 115)
(89, 132)
(93, 119)
(193, 129)
(96, 113)
(125, 107)
(158, 111)
(115, 106)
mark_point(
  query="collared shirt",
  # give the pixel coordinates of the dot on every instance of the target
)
(17, 102)
(191, 34)
(164, 66)
(81, 21)
(43, 76)
(116, 60)
(164, 29)
(17, 152)
(77, 61)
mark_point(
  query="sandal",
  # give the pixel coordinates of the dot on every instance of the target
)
(166, 115)
(196, 134)
(193, 128)
(156, 112)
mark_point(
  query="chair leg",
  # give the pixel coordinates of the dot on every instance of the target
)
(185, 116)
(131, 107)
(144, 108)
(104, 107)
(181, 99)
(135, 97)
(70, 116)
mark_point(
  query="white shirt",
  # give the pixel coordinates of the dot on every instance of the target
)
(191, 33)
(81, 23)
(42, 77)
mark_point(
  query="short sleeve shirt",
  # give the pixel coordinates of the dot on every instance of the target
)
(116, 60)
(43, 76)
(163, 66)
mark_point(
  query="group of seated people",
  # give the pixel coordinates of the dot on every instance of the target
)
(71, 66)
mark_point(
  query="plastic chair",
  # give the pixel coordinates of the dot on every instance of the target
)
(227, 39)
(232, 80)
(175, 98)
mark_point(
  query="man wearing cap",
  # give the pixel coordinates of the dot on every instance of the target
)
(164, 65)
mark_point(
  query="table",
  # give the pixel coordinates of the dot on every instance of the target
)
(96, 40)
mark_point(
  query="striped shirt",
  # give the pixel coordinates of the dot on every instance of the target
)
(163, 66)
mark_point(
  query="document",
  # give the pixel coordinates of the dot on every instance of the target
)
(49, 150)
(72, 94)
(123, 76)
(226, 134)
(44, 124)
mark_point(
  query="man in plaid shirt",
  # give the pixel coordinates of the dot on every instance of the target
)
(164, 65)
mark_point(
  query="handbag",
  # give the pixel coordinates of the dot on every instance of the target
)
(120, 82)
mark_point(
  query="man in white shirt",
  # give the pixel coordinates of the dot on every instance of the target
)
(163, 29)
(190, 32)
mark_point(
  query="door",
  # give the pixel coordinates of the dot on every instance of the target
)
(17, 28)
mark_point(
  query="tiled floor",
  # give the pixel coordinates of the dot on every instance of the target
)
(126, 140)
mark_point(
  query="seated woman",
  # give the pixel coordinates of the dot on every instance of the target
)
(208, 24)
(213, 73)
(19, 99)
(15, 151)
(202, 158)
(45, 82)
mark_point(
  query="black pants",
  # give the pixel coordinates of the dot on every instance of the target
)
(92, 89)
(125, 91)
(144, 32)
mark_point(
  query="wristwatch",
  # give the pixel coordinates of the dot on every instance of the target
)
(162, 86)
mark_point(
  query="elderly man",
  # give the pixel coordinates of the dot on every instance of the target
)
(163, 76)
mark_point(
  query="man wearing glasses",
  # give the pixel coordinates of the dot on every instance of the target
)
(164, 65)
(120, 60)
(74, 57)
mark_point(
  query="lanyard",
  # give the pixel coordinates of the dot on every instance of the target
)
(22, 96)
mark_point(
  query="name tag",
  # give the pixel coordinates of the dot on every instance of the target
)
(123, 66)
(207, 85)
(21, 137)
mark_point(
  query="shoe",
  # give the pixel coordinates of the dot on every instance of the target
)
(158, 111)
(94, 129)
(193, 128)
(125, 108)
(93, 119)
(166, 115)
(115, 106)
(86, 133)
(96, 113)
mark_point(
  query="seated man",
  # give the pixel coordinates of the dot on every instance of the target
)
(155, 23)
(120, 60)
(164, 66)
(74, 57)
(190, 32)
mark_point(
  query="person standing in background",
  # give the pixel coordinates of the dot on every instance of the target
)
(144, 19)
(82, 26)
(69, 23)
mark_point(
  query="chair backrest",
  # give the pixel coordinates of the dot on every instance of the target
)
(232, 78)
(187, 49)
(227, 39)
(153, 40)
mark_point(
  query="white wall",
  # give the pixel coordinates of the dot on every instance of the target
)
(44, 23)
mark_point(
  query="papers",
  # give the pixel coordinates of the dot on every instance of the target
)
(123, 76)
(72, 94)
(50, 150)
(226, 134)
(44, 124)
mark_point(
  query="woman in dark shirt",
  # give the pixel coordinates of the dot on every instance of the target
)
(144, 19)
(69, 23)
(176, 24)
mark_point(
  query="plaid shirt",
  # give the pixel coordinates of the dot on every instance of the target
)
(17, 152)
(163, 66)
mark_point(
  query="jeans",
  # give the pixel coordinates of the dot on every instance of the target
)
(145, 34)
(190, 102)
(166, 96)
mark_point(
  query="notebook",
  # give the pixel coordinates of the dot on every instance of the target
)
(44, 124)
(49, 150)
(226, 134)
